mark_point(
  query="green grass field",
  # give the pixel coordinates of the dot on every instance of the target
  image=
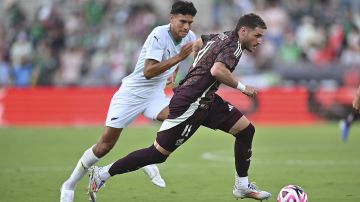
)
(35, 161)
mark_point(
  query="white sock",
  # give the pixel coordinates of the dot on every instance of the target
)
(86, 161)
(104, 173)
(241, 182)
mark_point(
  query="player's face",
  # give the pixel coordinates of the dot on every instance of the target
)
(251, 38)
(180, 25)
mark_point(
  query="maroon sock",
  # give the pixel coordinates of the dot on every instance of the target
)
(242, 150)
(136, 160)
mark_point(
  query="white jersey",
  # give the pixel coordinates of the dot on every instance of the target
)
(159, 46)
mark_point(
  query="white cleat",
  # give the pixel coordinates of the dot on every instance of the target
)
(152, 171)
(250, 192)
(95, 183)
(66, 195)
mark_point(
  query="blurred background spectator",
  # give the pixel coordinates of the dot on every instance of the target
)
(96, 42)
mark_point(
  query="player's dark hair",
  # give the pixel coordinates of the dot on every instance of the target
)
(184, 8)
(251, 21)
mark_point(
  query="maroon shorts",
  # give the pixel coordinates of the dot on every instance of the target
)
(220, 115)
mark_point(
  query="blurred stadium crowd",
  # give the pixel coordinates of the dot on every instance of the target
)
(96, 42)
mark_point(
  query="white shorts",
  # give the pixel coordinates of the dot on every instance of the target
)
(125, 107)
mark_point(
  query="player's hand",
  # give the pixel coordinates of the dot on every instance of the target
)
(250, 91)
(186, 50)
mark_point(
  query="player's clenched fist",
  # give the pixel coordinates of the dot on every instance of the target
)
(250, 91)
(186, 50)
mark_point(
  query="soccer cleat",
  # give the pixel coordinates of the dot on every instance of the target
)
(250, 192)
(152, 171)
(95, 183)
(344, 126)
(66, 195)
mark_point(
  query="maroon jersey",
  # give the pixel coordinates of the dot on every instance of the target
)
(199, 86)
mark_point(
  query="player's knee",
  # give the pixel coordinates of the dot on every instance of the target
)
(156, 155)
(247, 134)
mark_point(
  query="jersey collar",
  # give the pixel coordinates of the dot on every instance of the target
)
(172, 38)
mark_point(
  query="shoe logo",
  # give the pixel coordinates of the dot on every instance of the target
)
(230, 107)
(114, 118)
(179, 142)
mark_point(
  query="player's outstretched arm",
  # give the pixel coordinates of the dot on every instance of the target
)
(356, 101)
(153, 68)
(223, 74)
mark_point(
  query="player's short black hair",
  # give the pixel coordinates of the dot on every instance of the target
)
(184, 8)
(251, 21)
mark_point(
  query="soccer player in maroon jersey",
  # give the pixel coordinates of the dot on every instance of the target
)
(195, 103)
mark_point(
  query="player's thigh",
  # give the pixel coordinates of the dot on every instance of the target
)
(124, 108)
(224, 116)
(175, 132)
(158, 107)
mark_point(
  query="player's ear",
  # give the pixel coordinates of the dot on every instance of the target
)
(242, 31)
(171, 18)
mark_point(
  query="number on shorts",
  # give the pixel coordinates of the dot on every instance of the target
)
(186, 131)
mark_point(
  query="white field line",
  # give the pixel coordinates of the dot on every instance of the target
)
(220, 156)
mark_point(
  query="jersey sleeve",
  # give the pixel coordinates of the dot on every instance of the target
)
(228, 57)
(156, 46)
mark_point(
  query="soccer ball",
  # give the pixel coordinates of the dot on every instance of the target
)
(292, 193)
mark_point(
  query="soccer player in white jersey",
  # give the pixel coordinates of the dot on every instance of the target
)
(142, 92)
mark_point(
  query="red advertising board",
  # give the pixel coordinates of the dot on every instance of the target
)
(88, 106)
